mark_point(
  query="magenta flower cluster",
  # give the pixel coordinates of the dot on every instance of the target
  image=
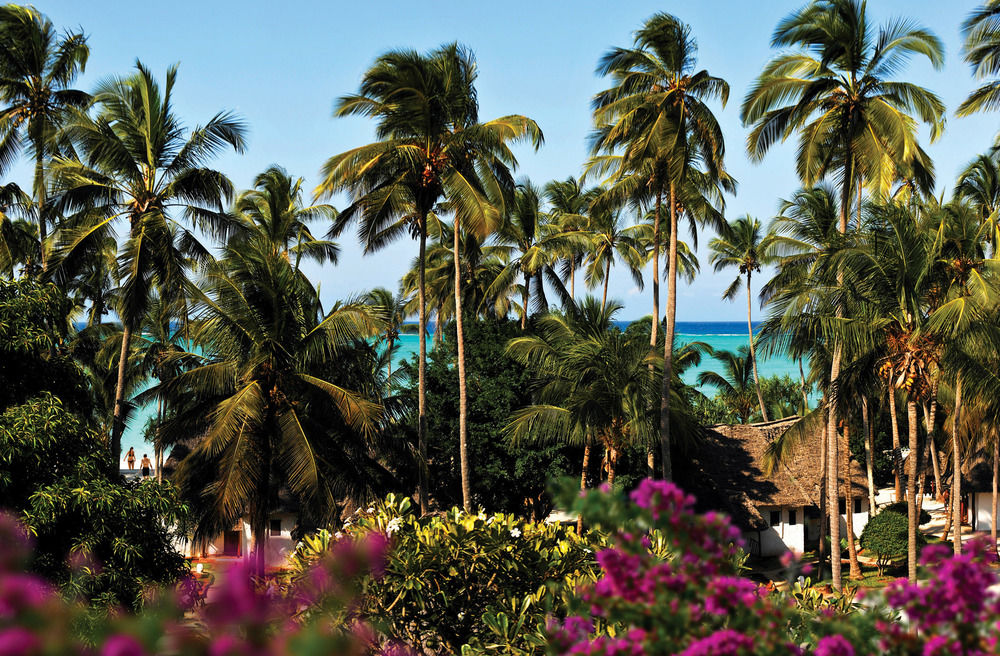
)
(689, 601)
(245, 616)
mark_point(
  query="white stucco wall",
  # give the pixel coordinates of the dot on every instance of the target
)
(784, 536)
(278, 546)
(981, 511)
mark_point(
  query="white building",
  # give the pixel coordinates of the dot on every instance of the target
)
(779, 512)
(237, 543)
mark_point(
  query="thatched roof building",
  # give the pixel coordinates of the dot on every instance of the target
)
(726, 472)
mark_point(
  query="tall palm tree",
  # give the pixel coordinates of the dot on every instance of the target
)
(263, 397)
(853, 121)
(431, 147)
(656, 120)
(138, 163)
(274, 206)
(391, 309)
(37, 68)
(979, 184)
(745, 247)
(981, 50)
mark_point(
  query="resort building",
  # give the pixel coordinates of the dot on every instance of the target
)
(977, 495)
(776, 513)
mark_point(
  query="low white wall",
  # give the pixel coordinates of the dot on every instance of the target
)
(783, 536)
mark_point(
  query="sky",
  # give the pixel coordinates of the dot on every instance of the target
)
(281, 67)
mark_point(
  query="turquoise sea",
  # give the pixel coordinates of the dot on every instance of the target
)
(718, 334)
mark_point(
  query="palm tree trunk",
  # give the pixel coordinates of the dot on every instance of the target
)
(526, 298)
(422, 485)
(911, 494)
(118, 420)
(438, 329)
(869, 465)
(956, 492)
(654, 330)
(996, 475)
(668, 341)
(463, 411)
(583, 484)
(833, 474)
(805, 396)
(932, 437)
(40, 202)
(607, 279)
(897, 464)
(753, 353)
(612, 459)
(655, 327)
(823, 509)
(852, 547)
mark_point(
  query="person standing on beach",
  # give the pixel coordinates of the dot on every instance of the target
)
(130, 458)
(145, 464)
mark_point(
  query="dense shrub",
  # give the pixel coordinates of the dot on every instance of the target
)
(885, 535)
(900, 508)
(454, 579)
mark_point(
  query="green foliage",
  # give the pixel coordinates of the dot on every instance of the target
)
(54, 468)
(885, 535)
(782, 396)
(507, 478)
(460, 582)
(900, 508)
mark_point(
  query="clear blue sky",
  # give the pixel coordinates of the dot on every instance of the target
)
(281, 65)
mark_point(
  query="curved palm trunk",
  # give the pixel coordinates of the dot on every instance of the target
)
(118, 420)
(607, 279)
(753, 353)
(897, 461)
(956, 493)
(911, 494)
(583, 483)
(852, 547)
(996, 480)
(526, 298)
(668, 341)
(869, 465)
(422, 486)
(805, 396)
(463, 428)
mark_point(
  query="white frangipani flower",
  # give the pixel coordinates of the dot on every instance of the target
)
(515, 532)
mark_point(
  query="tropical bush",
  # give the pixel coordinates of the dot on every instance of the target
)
(900, 508)
(456, 581)
(885, 535)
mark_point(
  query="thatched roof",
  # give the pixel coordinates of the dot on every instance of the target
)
(726, 472)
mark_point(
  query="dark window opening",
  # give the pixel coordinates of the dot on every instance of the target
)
(791, 517)
(842, 506)
(775, 517)
(857, 505)
(275, 527)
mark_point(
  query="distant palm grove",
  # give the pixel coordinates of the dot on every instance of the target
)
(133, 273)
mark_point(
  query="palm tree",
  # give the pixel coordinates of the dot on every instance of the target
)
(736, 386)
(610, 240)
(835, 93)
(594, 381)
(538, 241)
(568, 203)
(391, 309)
(982, 52)
(744, 247)
(37, 68)
(431, 148)
(979, 184)
(139, 163)
(274, 207)
(655, 127)
(263, 397)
